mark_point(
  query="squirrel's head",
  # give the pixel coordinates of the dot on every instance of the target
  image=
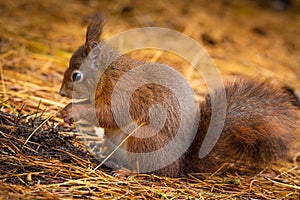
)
(77, 80)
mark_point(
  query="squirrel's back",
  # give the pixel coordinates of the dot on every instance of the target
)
(259, 126)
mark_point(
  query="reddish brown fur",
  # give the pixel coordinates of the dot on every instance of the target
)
(259, 126)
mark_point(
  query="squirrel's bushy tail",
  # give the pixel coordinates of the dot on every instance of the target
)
(259, 126)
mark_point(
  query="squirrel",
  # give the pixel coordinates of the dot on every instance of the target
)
(259, 126)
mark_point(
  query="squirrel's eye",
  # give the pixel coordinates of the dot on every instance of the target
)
(77, 76)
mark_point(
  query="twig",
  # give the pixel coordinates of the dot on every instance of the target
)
(117, 148)
(283, 184)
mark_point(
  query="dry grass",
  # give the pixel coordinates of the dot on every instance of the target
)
(40, 155)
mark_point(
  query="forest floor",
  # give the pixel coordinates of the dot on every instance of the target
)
(41, 157)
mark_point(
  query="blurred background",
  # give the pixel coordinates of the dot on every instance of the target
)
(37, 38)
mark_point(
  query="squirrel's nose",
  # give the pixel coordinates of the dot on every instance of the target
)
(62, 92)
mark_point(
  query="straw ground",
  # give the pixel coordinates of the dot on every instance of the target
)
(42, 158)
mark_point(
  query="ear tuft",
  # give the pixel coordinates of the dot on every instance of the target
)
(94, 31)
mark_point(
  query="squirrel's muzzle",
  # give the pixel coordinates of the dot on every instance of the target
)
(62, 92)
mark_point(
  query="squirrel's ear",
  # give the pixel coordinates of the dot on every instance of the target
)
(93, 32)
(95, 52)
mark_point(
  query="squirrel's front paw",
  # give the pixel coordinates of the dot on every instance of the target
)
(68, 114)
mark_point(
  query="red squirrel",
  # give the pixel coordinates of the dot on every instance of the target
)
(259, 126)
